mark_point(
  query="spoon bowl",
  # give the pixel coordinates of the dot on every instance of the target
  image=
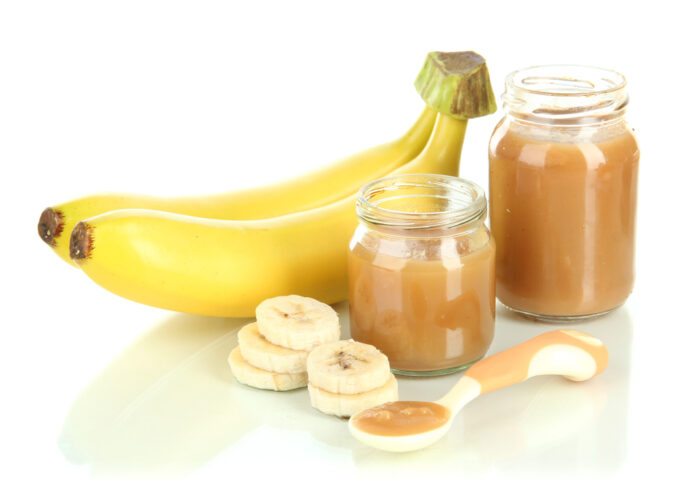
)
(400, 443)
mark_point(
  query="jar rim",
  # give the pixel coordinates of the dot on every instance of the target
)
(453, 202)
(576, 80)
(566, 95)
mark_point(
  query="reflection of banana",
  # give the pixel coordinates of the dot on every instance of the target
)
(346, 377)
(343, 405)
(309, 191)
(295, 322)
(260, 353)
(348, 367)
(226, 268)
(141, 412)
(258, 378)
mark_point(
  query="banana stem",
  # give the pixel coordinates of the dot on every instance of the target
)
(456, 83)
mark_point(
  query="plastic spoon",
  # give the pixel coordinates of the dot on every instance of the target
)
(571, 353)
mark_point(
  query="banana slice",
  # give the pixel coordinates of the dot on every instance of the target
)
(347, 367)
(255, 377)
(258, 352)
(295, 322)
(344, 405)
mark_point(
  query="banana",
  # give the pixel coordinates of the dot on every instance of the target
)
(347, 376)
(296, 322)
(347, 367)
(258, 352)
(255, 377)
(343, 405)
(312, 190)
(226, 268)
(260, 360)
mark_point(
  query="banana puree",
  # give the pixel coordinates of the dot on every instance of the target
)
(402, 418)
(563, 216)
(424, 314)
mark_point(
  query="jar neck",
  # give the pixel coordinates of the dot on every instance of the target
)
(565, 96)
(421, 205)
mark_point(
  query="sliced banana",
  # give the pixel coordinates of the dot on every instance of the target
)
(296, 322)
(344, 405)
(255, 377)
(260, 353)
(347, 367)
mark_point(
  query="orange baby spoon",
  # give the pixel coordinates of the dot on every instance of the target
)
(405, 426)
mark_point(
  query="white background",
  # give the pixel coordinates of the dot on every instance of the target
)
(178, 97)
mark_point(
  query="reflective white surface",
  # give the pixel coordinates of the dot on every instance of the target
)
(168, 404)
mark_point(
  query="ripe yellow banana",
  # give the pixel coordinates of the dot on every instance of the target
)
(227, 267)
(315, 189)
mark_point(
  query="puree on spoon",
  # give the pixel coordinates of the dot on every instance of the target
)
(402, 418)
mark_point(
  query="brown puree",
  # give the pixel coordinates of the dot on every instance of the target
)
(401, 418)
(563, 216)
(424, 314)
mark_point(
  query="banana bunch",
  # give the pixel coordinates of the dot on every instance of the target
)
(223, 255)
(272, 352)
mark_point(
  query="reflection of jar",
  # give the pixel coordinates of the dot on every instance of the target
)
(421, 270)
(563, 193)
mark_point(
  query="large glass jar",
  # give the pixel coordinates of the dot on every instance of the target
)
(421, 272)
(563, 193)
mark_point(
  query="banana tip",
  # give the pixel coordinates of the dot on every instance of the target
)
(50, 226)
(81, 241)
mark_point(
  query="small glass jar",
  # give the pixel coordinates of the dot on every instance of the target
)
(421, 273)
(563, 193)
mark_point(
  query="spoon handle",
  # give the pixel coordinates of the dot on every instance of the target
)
(571, 353)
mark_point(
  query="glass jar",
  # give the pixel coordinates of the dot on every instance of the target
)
(563, 193)
(421, 273)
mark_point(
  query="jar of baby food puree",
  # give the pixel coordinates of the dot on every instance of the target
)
(422, 273)
(563, 193)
